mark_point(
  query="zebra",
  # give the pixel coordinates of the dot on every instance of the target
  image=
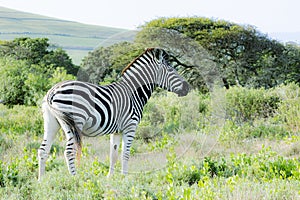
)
(86, 109)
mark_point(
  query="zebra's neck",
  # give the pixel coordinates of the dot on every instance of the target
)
(140, 83)
(138, 90)
(139, 78)
(143, 94)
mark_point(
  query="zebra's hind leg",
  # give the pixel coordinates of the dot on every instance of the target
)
(128, 137)
(71, 148)
(114, 145)
(51, 127)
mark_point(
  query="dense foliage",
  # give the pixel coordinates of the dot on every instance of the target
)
(106, 63)
(28, 69)
(242, 55)
(236, 49)
(37, 51)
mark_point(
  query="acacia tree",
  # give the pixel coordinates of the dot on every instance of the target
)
(234, 48)
(205, 51)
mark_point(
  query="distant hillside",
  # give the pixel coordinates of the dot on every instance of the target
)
(76, 38)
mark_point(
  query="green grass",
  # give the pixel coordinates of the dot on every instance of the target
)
(185, 157)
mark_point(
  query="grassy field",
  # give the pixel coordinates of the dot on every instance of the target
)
(213, 146)
(71, 36)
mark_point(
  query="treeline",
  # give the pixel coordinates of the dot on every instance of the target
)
(205, 51)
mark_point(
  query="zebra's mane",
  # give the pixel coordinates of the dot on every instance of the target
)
(131, 63)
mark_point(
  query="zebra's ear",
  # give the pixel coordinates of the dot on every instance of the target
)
(154, 51)
(160, 54)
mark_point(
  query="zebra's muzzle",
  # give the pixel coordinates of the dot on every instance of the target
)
(184, 90)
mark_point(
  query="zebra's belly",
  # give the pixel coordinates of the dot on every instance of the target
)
(94, 127)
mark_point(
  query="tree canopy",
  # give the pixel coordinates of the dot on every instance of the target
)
(106, 63)
(237, 50)
(28, 68)
(238, 55)
(37, 51)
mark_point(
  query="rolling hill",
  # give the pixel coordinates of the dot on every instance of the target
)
(76, 38)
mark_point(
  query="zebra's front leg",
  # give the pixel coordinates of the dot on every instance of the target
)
(114, 145)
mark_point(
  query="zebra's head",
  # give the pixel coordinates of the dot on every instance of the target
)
(167, 77)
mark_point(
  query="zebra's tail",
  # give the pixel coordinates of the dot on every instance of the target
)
(68, 119)
(76, 131)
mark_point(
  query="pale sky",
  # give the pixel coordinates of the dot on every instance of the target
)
(266, 15)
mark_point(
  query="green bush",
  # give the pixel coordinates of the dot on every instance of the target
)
(166, 113)
(209, 167)
(24, 84)
(12, 78)
(265, 166)
(259, 113)
(245, 104)
(233, 132)
(288, 113)
(38, 83)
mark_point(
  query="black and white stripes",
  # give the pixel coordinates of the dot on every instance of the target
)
(85, 109)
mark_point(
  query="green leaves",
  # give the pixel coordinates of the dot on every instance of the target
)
(106, 63)
(248, 104)
(12, 77)
(206, 50)
(28, 69)
(243, 55)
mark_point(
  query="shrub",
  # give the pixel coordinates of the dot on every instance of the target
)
(288, 113)
(38, 83)
(12, 78)
(265, 166)
(245, 104)
(166, 113)
(24, 84)
(259, 113)
(232, 132)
